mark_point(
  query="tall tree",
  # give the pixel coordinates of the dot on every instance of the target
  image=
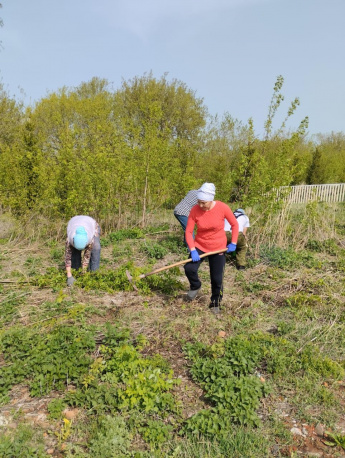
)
(160, 123)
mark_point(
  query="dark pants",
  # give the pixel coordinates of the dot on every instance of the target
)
(94, 259)
(217, 265)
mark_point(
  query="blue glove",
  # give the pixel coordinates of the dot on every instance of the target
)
(195, 256)
(231, 247)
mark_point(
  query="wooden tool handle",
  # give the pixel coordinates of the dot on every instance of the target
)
(180, 263)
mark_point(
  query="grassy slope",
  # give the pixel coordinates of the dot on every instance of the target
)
(295, 298)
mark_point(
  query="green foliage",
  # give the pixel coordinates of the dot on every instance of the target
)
(173, 244)
(113, 280)
(9, 307)
(239, 396)
(227, 382)
(327, 165)
(302, 300)
(153, 250)
(123, 234)
(335, 439)
(24, 442)
(165, 282)
(232, 386)
(235, 441)
(327, 246)
(47, 360)
(123, 380)
(57, 254)
(155, 432)
(112, 438)
(123, 251)
(56, 407)
(287, 258)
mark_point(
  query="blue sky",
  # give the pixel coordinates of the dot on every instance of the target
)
(228, 51)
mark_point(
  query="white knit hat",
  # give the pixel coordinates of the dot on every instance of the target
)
(206, 192)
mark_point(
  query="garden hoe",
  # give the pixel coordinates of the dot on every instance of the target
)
(180, 263)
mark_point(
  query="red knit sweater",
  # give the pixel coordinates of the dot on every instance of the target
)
(210, 234)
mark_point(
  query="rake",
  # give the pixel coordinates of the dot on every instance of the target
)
(161, 269)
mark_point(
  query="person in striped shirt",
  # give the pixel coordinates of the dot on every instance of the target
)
(183, 208)
(208, 217)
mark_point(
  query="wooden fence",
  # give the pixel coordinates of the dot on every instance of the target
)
(313, 192)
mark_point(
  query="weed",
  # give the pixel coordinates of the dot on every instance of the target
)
(165, 282)
(113, 280)
(328, 246)
(24, 442)
(124, 250)
(57, 254)
(123, 380)
(112, 438)
(225, 377)
(55, 408)
(9, 307)
(123, 234)
(65, 431)
(335, 439)
(173, 244)
(302, 299)
(153, 250)
(47, 360)
(287, 258)
(155, 432)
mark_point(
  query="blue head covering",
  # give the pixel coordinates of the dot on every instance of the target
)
(80, 238)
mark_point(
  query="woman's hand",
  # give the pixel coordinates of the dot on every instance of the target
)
(231, 247)
(195, 256)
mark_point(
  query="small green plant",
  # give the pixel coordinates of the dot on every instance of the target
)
(57, 254)
(153, 250)
(48, 360)
(328, 246)
(287, 258)
(24, 442)
(112, 438)
(335, 439)
(123, 234)
(123, 250)
(55, 408)
(155, 432)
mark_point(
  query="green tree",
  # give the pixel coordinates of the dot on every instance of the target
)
(328, 162)
(160, 124)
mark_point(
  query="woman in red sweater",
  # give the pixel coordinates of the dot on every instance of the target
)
(208, 216)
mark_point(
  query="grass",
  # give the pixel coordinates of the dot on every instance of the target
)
(139, 362)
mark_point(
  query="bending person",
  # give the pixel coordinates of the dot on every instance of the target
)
(208, 216)
(242, 246)
(83, 233)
